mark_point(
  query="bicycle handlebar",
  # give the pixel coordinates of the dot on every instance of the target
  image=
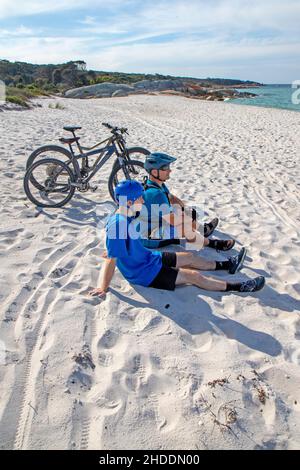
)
(114, 130)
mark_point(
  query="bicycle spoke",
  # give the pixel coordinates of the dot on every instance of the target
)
(53, 186)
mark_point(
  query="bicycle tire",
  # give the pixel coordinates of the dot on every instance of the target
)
(39, 153)
(131, 150)
(48, 161)
(140, 150)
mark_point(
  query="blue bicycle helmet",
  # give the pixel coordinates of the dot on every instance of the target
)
(130, 189)
(156, 160)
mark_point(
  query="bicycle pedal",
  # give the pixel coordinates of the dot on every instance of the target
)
(93, 188)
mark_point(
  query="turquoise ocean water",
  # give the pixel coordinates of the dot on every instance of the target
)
(271, 96)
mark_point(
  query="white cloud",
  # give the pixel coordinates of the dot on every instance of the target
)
(199, 16)
(89, 20)
(223, 37)
(242, 15)
(10, 8)
(17, 8)
(172, 15)
(45, 50)
(199, 58)
(182, 55)
(18, 32)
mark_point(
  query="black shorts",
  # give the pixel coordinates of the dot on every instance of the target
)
(166, 278)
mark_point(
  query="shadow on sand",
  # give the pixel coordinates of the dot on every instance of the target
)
(194, 315)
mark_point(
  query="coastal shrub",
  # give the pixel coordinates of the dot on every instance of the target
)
(26, 92)
(60, 77)
(22, 94)
(56, 106)
(17, 100)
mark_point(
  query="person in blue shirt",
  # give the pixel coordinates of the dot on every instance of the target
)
(160, 203)
(161, 270)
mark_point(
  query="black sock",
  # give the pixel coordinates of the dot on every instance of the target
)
(236, 286)
(222, 265)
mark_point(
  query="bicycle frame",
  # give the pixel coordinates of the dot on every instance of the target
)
(104, 154)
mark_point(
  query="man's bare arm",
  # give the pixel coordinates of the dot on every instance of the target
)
(107, 273)
(175, 200)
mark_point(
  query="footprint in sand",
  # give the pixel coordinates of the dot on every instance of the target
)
(8, 238)
(74, 286)
(166, 409)
(143, 382)
(200, 343)
(136, 372)
(292, 355)
(58, 273)
(269, 408)
(110, 401)
(11, 234)
(105, 359)
(147, 320)
(273, 444)
(9, 174)
(79, 380)
(156, 361)
(108, 340)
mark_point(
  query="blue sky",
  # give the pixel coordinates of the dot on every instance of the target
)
(242, 39)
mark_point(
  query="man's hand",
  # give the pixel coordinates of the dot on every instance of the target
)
(98, 292)
(104, 254)
(175, 200)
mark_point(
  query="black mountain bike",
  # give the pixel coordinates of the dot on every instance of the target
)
(54, 173)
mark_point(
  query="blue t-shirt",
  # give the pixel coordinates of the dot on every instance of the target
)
(156, 205)
(137, 264)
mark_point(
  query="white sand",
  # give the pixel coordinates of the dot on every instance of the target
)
(130, 373)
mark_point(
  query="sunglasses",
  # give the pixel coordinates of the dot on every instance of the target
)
(165, 168)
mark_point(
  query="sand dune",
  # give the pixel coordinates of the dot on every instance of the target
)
(149, 369)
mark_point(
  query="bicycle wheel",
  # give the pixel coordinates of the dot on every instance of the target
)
(56, 184)
(137, 153)
(131, 170)
(47, 151)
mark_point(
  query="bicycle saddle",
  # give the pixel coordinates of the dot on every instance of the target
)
(64, 140)
(71, 128)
